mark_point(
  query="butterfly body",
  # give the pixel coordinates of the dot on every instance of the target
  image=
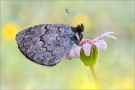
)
(46, 44)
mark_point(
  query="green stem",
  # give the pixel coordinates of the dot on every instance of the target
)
(94, 75)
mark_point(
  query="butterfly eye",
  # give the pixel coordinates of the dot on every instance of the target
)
(75, 40)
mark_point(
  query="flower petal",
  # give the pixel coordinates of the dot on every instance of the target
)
(77, 51)
(73, 53)
(101, 45)
(105, 35)
(68, 56)
(87, 49)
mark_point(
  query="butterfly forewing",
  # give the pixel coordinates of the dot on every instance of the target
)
(45, 44)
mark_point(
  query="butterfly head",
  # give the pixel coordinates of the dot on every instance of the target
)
(78, 36)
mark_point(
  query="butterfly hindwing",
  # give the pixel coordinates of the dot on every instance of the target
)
(45, 44)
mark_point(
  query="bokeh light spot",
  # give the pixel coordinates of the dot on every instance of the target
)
(9, 31)
(82, 18)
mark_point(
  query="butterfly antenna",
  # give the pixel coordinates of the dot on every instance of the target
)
(71, 16)
(85, 36)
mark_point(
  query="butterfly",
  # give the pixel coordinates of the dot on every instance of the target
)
(47, 44)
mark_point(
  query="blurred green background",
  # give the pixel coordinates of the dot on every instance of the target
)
(114, 67)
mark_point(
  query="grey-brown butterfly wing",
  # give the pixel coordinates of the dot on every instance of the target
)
(45, 44)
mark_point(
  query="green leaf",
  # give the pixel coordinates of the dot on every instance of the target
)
(89, 60)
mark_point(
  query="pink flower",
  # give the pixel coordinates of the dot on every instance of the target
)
(87, 44)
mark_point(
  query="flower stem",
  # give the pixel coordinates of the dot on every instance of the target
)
(94, 76)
